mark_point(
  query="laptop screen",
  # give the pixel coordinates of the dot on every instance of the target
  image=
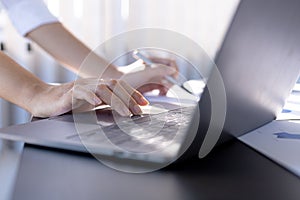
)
(259, 62)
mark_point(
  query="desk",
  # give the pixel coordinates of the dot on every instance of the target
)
(232, 171)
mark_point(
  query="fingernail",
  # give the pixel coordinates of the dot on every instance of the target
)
(137, 109)
(143, 101)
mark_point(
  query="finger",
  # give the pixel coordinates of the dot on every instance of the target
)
(163, 91)
(161, 70)
(149, 87)
(138, 97)
(82, 93)
(159, 82)
(156, 72)
(167, 61)
(126, 97)
(140, 78)
(111, 99)
(160, 60)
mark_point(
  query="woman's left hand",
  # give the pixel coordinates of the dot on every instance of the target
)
(151, 77)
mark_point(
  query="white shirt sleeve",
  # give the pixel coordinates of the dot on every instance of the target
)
(26, 15)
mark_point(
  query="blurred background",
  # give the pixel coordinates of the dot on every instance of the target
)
(95, 21)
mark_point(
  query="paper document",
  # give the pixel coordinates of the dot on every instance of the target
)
(291, 109)
(278, 140)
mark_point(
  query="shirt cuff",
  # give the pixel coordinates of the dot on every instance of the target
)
(28, 15)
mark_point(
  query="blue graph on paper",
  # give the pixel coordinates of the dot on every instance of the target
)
(285, 135)
(286, 111)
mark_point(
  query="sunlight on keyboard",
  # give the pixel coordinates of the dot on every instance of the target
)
(153, 109)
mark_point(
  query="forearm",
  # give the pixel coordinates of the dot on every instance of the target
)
(18, 85)
(70, 52)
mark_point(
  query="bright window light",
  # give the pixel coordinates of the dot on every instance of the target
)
(78, 8)
(53, 6)
(125, 9)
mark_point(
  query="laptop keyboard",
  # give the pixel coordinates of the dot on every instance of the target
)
(142, 134)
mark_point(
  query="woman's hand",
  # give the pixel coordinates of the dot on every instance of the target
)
(85, 94)
(147, 78)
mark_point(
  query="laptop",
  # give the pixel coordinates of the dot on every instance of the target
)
(258, 62)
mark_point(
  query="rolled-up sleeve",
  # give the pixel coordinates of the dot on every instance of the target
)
(26, 15)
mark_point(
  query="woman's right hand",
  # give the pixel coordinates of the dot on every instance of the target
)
(86, 94)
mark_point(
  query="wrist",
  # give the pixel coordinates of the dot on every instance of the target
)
(36, 99)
